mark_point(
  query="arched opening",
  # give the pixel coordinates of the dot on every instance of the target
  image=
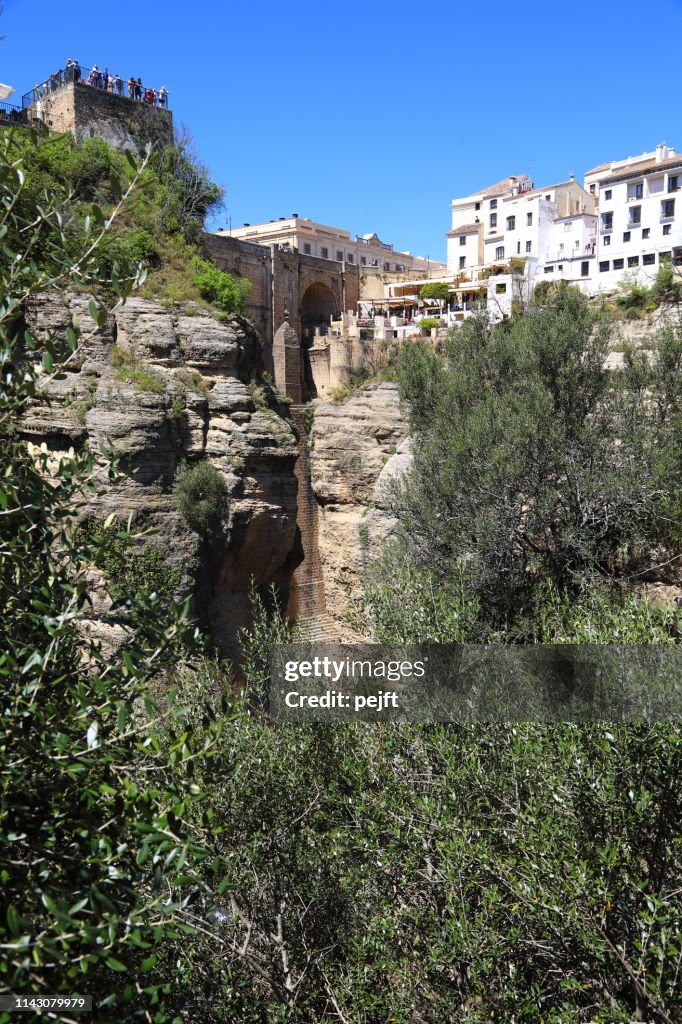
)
(318, 306)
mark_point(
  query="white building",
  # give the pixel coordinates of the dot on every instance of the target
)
(640, 216)
(328, 243)
(519, 234)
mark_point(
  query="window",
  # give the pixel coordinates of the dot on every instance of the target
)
(560, 267)
(499, 252)
(606, 240)
(668, 208)
(387, 266)
(604, 266)
(493, 220)
(608, 193)
(636, 191)
(592, 188)
(528, 246)
(324, 253)
(350, 257)
(585, 269)
(633, 261)
(500, 289)
(649, 259)
(549, 270)
(306, 248)
(518, 247)
(635, 216)
(478, 206)
(548, 197)
(511, 223)
(339, 255)
(626, 236)
(646, 232)
(672, 183)
(607, 221)
(529, 219)
(363, 260)
(666, 229)
(462, 262)
(618, 264)
(462, 240)
(663, 256)
(493, 204)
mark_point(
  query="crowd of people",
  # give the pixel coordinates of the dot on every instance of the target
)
(104, 80)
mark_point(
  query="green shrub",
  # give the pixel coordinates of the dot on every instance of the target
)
(131, 567)
(439, 290)
(226, 292)
(199, 495)
(429, 322)
(140, 247)
(667, 287)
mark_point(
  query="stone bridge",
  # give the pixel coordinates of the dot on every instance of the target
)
(292, 296)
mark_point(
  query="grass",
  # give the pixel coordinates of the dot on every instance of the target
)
(193, 381)
(129, 370)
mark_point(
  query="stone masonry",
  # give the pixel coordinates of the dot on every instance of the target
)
(87, 112)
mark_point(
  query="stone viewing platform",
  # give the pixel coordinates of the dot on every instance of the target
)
(89, 104)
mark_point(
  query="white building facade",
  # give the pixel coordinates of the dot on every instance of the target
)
(640, 217)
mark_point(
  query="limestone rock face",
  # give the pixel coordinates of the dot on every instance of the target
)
(356, 448)
(162, 389)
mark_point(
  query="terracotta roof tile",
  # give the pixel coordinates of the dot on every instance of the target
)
(465, 229)
(500, 187)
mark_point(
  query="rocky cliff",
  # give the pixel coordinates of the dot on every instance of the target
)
(355, 448)
(163, 388)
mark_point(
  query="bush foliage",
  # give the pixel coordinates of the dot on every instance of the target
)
(200, 494)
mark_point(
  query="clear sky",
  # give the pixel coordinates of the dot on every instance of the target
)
(372, 115)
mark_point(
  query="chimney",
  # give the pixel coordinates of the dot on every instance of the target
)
(661, 152)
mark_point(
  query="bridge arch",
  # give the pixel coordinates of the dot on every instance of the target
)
(317, 307)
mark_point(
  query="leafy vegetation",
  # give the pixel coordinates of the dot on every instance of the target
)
(536, 464)
(131, 566)
(200, 493)
(226, 292)
(439, 290)
(166, 849)
(636, 299)
(96, 857)
(159, 227)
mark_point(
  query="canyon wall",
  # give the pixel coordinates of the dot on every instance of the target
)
(163, 388)
(355, 447)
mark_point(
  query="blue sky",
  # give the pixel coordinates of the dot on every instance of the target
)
(372, 115)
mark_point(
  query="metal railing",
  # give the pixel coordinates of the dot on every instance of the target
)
(95, 79)
(10, 113)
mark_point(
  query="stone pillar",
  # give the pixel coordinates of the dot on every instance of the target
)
(286, 357)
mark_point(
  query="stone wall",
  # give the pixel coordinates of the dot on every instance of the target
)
(92, 113)
(254, 262)
(280, 281)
